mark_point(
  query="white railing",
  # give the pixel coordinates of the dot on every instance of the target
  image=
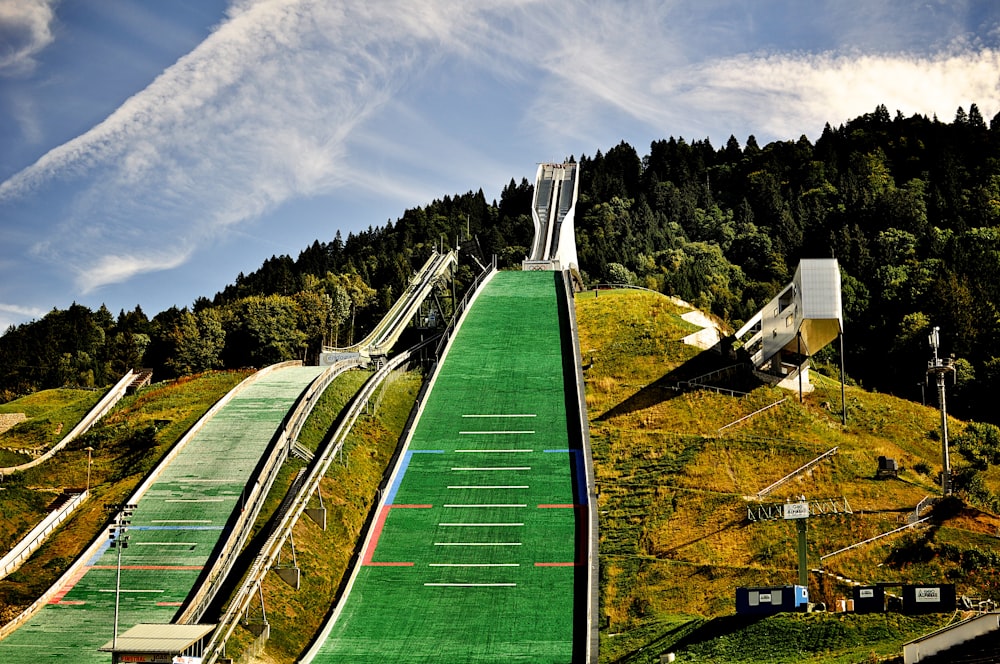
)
(34, 539)
(872, 539)
(756, 412)
(801, 469)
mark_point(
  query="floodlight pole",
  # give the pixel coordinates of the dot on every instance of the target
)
(119, 539)
(118, 589)
(939, 368)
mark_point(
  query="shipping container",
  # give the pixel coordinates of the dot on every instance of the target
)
(869, 599)
(769, 600)
(927, 598)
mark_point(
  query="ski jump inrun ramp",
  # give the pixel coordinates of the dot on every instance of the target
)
(482, 547)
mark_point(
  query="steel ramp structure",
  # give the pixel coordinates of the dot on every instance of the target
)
(177, 531)
(385, 335)
(803, 318)
(480, 548)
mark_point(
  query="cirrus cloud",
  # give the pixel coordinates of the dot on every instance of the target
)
(294, 99)
(25, 29)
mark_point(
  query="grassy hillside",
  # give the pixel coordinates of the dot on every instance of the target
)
(50, 415)
(675, 538)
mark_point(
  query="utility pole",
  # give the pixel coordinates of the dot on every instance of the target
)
(939, 368)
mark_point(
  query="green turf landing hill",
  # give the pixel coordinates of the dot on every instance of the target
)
(174, 529)
(473, 553)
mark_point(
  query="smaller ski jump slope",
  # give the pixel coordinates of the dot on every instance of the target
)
(179, 522)
(476, 554)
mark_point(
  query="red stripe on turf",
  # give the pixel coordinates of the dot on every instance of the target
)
(170, 603)
(565, 506)
(57, 598)
(69, 602)
(377, 532)
(555, 564)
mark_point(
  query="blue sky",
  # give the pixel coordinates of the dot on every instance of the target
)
(150, 151)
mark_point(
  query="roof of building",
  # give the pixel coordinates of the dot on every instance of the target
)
(147, 638)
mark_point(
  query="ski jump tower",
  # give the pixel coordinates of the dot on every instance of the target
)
(552, 211)
(803, 318)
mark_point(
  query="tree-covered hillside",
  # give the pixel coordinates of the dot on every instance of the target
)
(909, 205)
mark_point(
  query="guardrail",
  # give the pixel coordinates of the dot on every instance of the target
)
(925, 502)
(106, 403)
(801, 469)
(37, 536)
(872, 539)
(281, 448)
(272, 547)
(591, 645)
(756, 412)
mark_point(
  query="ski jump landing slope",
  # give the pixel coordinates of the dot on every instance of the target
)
(175, 529)
(477, 553)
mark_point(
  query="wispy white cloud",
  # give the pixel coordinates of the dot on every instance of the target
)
(25, 29)
(256, 115)
(111, 269)
(12, 314)
(785, 95)
(656, 69)
(292, 98)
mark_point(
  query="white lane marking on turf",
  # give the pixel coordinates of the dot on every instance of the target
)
(473, 585)
(482, 525)
(474, 564)
(194, 500)
(490, 486)
(501, 415)
(490, 451)
(494, 468)
(477, 544)
(486, 433)
(491, 505)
